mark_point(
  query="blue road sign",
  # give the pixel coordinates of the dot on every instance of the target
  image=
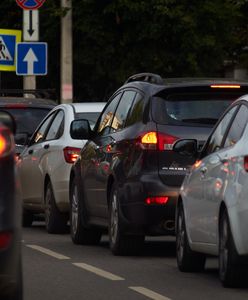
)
(31, 59)
(8, 40)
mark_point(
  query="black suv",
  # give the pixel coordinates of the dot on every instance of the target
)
(127, 177)
(10, 215)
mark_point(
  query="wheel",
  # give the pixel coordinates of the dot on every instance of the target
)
(27, 218)
(232, 271)
(187, 260)
(80, 234)
(121, 243)
(56, 222)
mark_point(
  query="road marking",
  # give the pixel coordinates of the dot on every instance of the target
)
(48, 252)
(148, 293)
(98, 271)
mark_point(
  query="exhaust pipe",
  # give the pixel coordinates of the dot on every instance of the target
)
(169, 225)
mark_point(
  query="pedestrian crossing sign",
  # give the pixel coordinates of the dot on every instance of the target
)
(8, 41)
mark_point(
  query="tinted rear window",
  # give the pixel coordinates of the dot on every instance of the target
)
(27, 119)
(91, 116)
(191, 109)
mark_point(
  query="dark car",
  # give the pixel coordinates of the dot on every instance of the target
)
(127, 177)
(10, 215)
(28, 113)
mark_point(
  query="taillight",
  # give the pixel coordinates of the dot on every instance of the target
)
(225, 86)
(156, 140)
(157, 200)
(71, 154)
(6, 142)
(5, 239)
(246, 163)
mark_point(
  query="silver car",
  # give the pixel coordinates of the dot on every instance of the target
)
(45, 164)
(212, 209)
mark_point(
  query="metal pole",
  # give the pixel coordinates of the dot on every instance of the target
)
(66, 54)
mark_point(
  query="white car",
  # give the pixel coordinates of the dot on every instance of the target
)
(212, 210)
(45, 164)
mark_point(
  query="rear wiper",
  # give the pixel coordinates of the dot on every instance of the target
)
(201, 120)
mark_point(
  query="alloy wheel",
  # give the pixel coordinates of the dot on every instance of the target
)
(114, 219)
(180, 238)
(224, 247)
(74, 210)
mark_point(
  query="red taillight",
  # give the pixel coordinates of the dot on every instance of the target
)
(157, 200)
(71, 154)
(246, 163)
(5, 239)
(153, 140)
(6, 142)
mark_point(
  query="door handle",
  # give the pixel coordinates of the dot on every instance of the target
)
(30, 151)
(46, 146)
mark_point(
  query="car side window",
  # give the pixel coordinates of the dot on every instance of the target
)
(40, 133)
(122, 110)
(136, 111)
(106, 118)
(216, 138)
(237, 126)
(56, 128)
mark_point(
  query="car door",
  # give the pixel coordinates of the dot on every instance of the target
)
(220, 168)
(199, 211)
(95, 159)
(28, 164)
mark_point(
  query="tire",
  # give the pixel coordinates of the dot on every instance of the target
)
(56, 222)
(27, 218)
(187, 260)
(232, 271)
(80, 234)
(119, 242)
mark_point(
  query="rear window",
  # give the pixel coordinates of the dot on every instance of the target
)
(191, 109)
(27, 119)
(90, 116)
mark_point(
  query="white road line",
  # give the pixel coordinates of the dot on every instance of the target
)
(98, 271)
(48, 252)
(148, 293)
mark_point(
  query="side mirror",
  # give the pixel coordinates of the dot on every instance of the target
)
(8, 120)
(186, 147)
(80, 129)
(21, 138)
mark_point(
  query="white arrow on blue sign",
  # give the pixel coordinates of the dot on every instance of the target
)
(31, 59)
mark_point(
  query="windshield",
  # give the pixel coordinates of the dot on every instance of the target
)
(201, 109)
(27, 118)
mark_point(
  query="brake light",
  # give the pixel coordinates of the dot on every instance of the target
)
(6, 142)
(246, 163)
(71, 154)
(153, 141)
(157, 200)
(5, 239)
(225, 86)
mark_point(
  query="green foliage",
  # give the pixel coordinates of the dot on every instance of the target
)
(114, 39)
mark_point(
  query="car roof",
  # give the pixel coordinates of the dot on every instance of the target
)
(30, 102)
(85, 106)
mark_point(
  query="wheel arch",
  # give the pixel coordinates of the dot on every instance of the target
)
(46, 181)
(111, 181)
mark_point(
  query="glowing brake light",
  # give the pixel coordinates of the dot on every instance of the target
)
(225, 86)
(157, 200)
(6, 142)
(155, 140)
(71, 154)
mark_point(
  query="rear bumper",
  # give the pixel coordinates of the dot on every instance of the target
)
(139, 218)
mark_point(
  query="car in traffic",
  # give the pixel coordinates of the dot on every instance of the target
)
(27, 112)
(44, 165)
(11, 285)
(127, 177)
(212, 208)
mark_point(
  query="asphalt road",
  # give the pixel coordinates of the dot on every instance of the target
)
(56, 269)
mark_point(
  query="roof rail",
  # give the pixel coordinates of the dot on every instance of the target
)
(38, 93)
(147, 77)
